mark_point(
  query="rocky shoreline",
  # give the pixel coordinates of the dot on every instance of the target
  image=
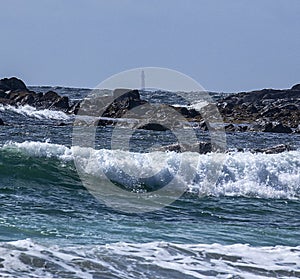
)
(267, 110)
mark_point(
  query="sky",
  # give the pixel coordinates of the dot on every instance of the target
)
(226, 46)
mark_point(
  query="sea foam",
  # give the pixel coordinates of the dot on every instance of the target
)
(30, 111)
(148, 260)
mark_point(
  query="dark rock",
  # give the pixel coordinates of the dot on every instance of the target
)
(127, 97)
(1, 122)
(74, 108)
(280, 128)
(61, 124)
(267, 105)
(269, 111)
(12, 84)
(50, 96)
(201, 147)
(123, 100)
(62, 103)
(296, 87)
(274, 149)
(203, 126)
(272, 128)
(243, 128)
(252, 109)
(154, 127)
(187, 113)
(230, 128)
(2, 94)
(297, 130)
(268, 128)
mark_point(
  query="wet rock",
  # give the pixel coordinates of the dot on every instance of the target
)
(274, 149)
(61, 103)
(74, 108)
(50, 96)
(123, 100)
(153, 127)
(201, 147)
(280, 128)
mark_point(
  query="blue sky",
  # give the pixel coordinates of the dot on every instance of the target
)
(229, 46)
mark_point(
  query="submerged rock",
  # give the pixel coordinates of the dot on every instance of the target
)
(273, 149)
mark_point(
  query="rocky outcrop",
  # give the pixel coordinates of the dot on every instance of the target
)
(264, 106)
(12, 84)
(267, 110)
(14, 92)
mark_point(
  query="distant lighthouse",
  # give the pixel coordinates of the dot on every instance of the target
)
(143, 83)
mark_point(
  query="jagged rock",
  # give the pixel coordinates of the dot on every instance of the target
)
(267, 105)
(74, 108)
(264, 107)
(61, 103)
(123, 100)
(12, 84)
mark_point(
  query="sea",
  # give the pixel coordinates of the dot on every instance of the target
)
(245, 225)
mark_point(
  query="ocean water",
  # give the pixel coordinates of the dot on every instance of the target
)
(246, 225)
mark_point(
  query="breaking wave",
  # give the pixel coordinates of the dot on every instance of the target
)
(243, 173)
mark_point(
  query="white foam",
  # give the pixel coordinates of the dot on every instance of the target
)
(41, 149)
(149, 260)
(197, 105)
(30, 111)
